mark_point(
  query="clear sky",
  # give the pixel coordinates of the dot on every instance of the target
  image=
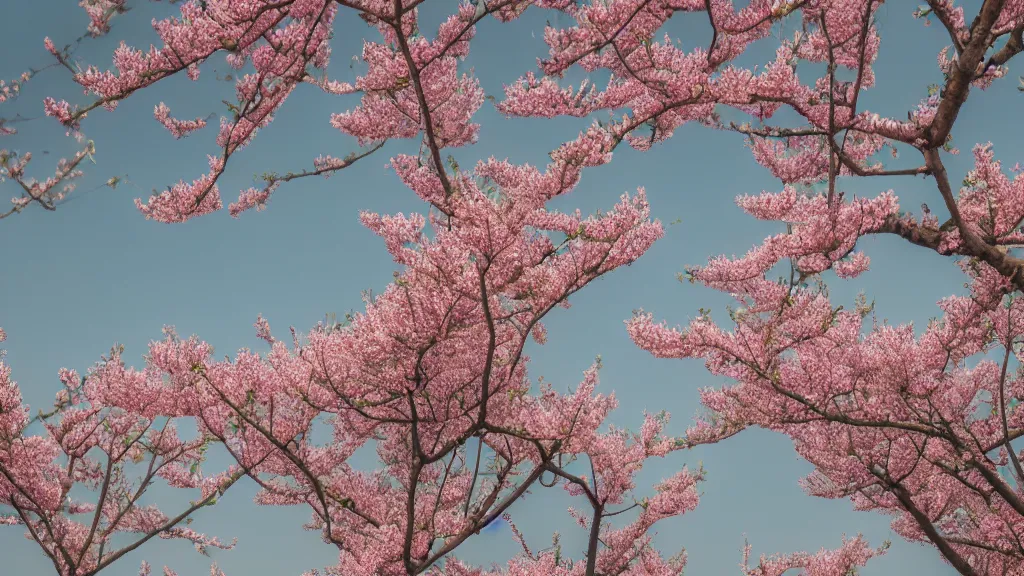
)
(95, 272)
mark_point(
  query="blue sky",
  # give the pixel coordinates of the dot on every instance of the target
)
(95, 272)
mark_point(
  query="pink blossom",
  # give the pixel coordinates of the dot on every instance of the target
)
(177, 128)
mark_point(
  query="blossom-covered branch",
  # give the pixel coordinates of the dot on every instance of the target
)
(916, 425)
(75, 485)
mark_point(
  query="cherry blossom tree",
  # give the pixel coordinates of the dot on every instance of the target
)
(917, 425)
(433, 375)
(433, 372)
